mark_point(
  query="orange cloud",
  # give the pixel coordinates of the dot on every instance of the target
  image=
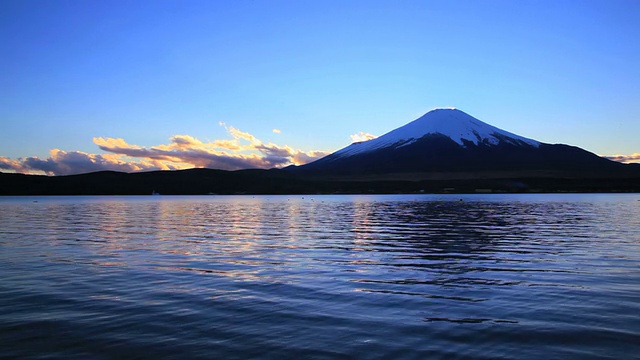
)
(242, 151)
(362, 136)
(627, 159)
(227, 144)
(301, 158)
(13, 165)
(185, 141)
(240, 135)
(74, 162)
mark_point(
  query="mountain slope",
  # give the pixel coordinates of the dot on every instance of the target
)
(449, 140)
(452, 123)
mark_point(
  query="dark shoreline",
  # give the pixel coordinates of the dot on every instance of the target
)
(272, 182)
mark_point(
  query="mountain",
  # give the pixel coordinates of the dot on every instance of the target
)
(454, 124)
(449, 141)
(445, 150)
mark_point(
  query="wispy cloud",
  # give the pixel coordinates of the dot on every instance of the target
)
(627, 159)
(362, 136)
(241, 151)
(276, 131)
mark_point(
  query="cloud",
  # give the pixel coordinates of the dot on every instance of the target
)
(185, 141)
(362, 136)
(276, 131)
(627, 159)
(300, 157)
(13, 165)
(75, 162)
(242, 151)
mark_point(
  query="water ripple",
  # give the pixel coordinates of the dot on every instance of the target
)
(500, 276)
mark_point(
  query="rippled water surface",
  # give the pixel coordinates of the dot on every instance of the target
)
(413, 276)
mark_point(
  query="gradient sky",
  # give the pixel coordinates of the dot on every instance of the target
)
(163, 82)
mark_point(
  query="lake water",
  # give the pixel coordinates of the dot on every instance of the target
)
(394, 277)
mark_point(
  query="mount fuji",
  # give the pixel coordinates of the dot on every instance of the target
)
(454, 142)
(446, 150)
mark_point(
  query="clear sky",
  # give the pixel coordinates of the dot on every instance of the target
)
(136, 85)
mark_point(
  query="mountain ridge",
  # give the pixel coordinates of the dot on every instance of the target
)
(451, 140)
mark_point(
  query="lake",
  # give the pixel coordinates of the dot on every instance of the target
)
(322, 277)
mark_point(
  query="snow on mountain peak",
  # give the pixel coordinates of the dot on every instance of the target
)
(450, 122)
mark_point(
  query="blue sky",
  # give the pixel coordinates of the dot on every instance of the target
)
(107, 82)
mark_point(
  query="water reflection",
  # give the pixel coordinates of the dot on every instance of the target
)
(358, 265)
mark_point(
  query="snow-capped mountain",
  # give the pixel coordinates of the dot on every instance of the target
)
(449, 140)
(457, 125)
